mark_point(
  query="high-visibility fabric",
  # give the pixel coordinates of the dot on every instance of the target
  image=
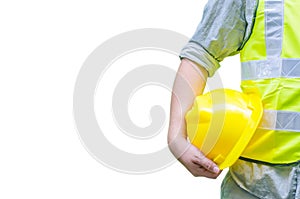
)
(291, 39)
(271, 66)
(257, 38)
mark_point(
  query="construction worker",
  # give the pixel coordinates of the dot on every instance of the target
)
(266, 34)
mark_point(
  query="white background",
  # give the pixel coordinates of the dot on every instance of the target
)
(42, 47)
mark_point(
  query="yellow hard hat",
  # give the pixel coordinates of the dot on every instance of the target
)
(222, 122)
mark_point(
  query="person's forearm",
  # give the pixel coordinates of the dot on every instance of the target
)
(189, 82)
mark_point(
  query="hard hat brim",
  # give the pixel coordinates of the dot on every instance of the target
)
(247, 134)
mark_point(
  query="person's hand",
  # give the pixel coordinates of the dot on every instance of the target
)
(195, 161)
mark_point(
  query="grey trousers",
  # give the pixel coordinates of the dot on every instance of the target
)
(248, 180)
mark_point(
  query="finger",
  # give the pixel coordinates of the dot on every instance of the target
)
(205, 173)
(206, 163)
(198, 171)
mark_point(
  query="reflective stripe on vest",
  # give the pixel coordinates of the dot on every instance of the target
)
(271, 65)
(281, 120)
(272, 68)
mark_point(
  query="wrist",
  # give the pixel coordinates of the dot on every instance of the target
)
(178, 146)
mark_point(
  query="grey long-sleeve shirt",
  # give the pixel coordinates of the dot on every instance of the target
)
(225, 27)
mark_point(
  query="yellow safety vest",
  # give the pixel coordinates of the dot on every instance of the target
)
(270, 62)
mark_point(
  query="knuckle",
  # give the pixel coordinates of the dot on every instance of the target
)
(209, 166)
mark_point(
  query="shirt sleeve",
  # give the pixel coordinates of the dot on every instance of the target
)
(224, 28)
